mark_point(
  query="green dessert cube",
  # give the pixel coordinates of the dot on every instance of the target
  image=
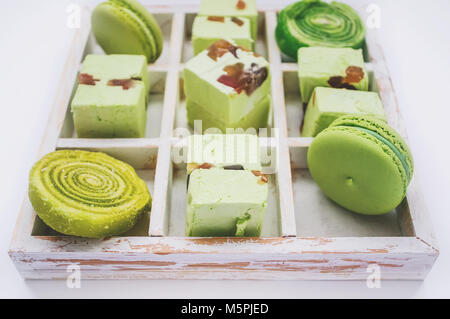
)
(327, 104)
(331, 67)
(227, 81)
(232, 8)
(228, 151)
(106, 109)
(117, 66)
(256, 118)
(226, 203)
(209, 29)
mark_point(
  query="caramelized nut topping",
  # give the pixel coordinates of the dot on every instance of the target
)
(239, 22)
(124, 83)
(206, 166)
(263, 178)
(241, 4)
(241, 80)
(87, 79)
(194, 166)
(219, 48)
(354, 74)
(216, 18)
(257, 173)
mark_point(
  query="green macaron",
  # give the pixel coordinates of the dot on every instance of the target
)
(126, 27)
(362, 164)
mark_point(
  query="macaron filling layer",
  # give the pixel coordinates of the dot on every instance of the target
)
(396, 151)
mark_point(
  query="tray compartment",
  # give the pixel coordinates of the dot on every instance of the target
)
(295, 106)
(177, 193)
(188, 51)
(154, 108)
(318, 216)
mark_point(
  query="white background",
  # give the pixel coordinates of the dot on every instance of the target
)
(34, 41)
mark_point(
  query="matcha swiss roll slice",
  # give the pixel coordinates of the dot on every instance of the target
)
(87, 194)
(316, 23)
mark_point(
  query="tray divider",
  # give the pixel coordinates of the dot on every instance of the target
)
(284, 178)
(159, 215)
(412, 214)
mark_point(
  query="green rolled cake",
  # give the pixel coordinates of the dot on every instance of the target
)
(327, 104)
(316, 23)
(331, 67)
(208, 29)
(87, 194)
(227, 83)
(232, 8)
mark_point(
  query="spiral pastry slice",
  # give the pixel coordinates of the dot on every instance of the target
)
(87, 194)
(317, 23)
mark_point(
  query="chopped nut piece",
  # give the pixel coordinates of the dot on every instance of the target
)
(206, 166)
(216, 18)
(354, 74)
(241, 80)
(219, 48)
(87, 79)
(238, 21)
(263, 178)
(124, 83)
(241, 5)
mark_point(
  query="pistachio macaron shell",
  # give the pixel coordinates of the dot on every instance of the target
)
(126, 27)
(356, 169)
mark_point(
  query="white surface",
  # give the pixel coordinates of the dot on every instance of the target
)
(35, 41)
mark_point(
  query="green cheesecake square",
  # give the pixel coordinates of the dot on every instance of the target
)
(104, 109)
(227, 81)
(225, 203)
(331, 67)
(228, 151)
(232, 8)
(327, 104)
(208, 29)
(117, 66)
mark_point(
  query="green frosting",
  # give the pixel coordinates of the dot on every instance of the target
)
(205, 32)
(87, 194)
(225, 203)
(397, 152)
(327, 104)
(317, 23)
(331, 67)
(126, 27)
(228, 8)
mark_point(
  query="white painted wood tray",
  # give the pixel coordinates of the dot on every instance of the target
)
(305, 235)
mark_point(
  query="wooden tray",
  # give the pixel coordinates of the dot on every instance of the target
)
(305, 235)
